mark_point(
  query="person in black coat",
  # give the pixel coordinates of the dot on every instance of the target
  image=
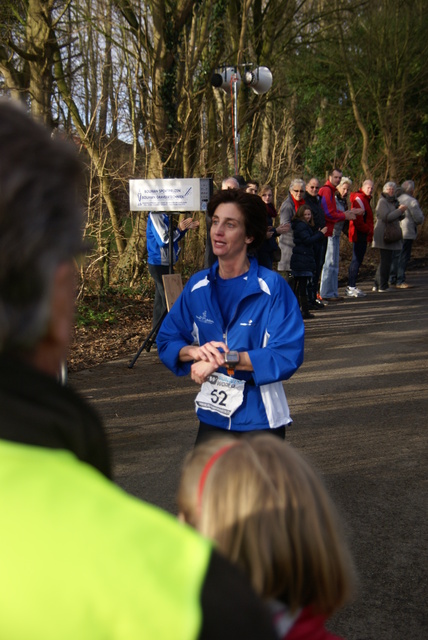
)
(302, 262)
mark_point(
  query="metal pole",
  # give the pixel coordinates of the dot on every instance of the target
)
(235, 120)
(171, 245)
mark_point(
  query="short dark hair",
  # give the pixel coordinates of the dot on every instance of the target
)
(40, 223)
(252, 208)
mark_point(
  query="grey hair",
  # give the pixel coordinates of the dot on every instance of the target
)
(345, 180)
(408, 186)
(227, 182)
(40, 224)
(297, 182)
(388, 185)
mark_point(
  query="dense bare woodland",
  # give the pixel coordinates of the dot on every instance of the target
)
(129, 83)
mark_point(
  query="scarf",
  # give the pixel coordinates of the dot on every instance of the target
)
(391, 199)
(297, 203)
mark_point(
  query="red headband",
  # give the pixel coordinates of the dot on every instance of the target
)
(207, 468)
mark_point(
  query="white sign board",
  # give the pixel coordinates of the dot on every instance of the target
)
(184, 194)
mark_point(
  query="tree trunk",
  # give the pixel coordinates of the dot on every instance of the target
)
(40, 41)
(98, 159)
(130, 263)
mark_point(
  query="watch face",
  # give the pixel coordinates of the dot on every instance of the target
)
(232, 357)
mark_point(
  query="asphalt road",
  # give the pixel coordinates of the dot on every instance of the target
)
(359, 404)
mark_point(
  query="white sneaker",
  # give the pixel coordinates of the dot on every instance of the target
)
(361, 294)
(353, 292)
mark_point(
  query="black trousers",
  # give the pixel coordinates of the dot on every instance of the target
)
(300, 285)
(382, 273)
(400, 259)
(358, 253)
(313, 284)
(159, 304)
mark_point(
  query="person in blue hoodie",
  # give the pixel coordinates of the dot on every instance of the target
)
(158, 259)
(236, 328)
(303, 265)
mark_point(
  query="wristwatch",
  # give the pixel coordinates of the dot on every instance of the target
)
(231, 359)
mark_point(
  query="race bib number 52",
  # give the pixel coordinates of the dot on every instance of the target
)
(221, 394)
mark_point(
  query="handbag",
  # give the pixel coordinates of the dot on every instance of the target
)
(392, 233)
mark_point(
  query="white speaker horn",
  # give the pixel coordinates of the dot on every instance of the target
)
(260, 79)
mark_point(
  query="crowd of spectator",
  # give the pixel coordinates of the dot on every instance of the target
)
(306, 244)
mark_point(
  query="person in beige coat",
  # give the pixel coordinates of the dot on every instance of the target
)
(295, 198)
(413, 217)
(388, 209)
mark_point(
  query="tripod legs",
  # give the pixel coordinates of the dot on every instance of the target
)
(157, 274)
(148, 342)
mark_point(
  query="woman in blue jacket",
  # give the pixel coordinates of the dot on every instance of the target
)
(236, 328)
(303, 265)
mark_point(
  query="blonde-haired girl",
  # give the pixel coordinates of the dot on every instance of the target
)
(269, 512)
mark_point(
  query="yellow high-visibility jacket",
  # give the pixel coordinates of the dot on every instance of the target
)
(80, 559)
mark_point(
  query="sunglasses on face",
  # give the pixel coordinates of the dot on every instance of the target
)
(297, 191)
